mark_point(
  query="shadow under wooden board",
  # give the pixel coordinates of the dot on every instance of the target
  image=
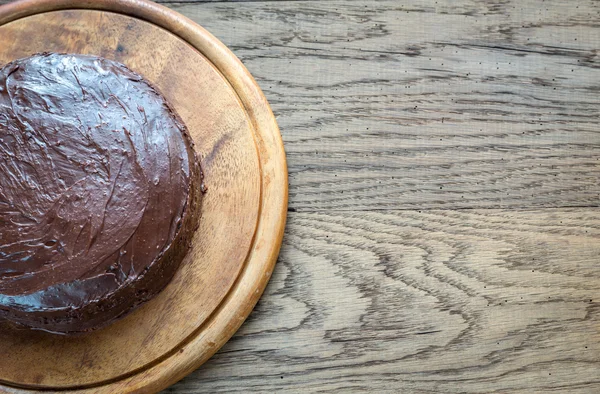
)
(244, 210)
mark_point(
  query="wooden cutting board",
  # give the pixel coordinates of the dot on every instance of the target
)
(244, 211)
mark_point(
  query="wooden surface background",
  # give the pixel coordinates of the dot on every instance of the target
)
(444, 226)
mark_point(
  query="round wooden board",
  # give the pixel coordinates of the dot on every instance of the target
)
(244, 211)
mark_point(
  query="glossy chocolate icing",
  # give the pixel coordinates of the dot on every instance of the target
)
(98, 197)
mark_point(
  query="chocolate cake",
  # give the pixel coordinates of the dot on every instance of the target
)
(99, 192)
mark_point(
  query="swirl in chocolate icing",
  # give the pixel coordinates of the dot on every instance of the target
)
(95, 177)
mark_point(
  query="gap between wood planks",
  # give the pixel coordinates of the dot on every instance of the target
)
(515, 208)
(229, 1)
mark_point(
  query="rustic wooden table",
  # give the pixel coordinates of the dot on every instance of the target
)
(444, 226)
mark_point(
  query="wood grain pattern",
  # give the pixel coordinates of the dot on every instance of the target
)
(404, 123)
(423, 301)
(426, 104)
(468, 105)
(382, 108)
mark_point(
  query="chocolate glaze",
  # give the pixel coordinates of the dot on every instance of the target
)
(98, 197)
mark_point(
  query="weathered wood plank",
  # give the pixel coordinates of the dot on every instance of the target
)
(425, 104)
(436, 301)
(387, 104)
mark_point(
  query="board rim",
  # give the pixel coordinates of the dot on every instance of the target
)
(261, 259)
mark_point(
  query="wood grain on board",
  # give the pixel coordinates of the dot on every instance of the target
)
(389, 111)
(426, 104)
(223, 137)
(444, 166)
(423, 301)
(237, 242)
